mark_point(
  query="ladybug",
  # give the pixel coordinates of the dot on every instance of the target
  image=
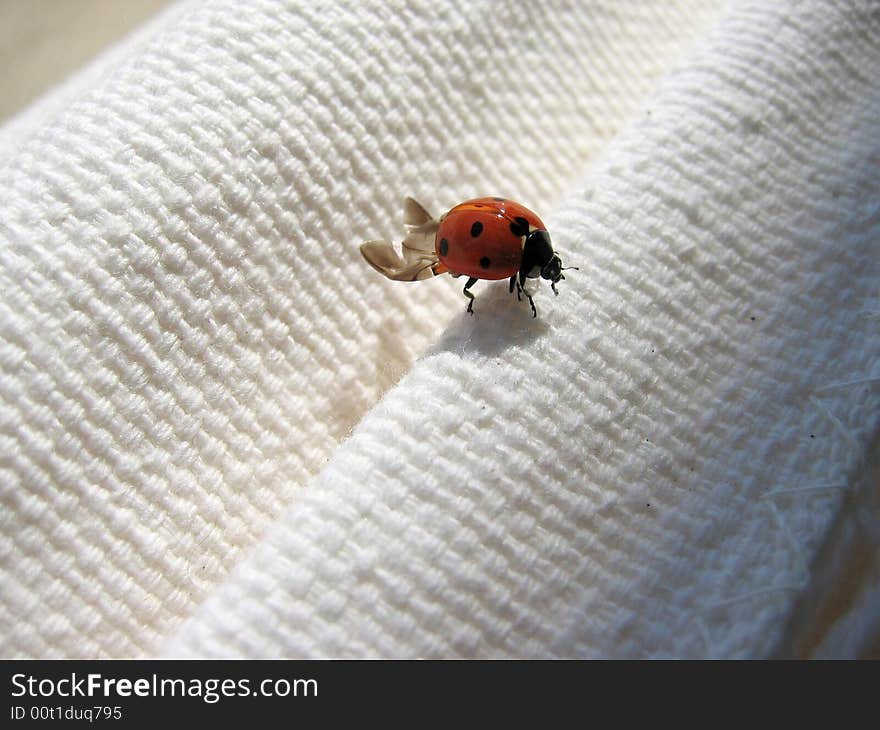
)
(483, 238)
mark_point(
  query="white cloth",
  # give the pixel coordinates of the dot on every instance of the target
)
(195, 462)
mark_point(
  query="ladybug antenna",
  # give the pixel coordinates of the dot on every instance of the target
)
(561, 277)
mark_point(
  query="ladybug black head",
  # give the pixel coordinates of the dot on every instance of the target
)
(539, 259)
(552, 270)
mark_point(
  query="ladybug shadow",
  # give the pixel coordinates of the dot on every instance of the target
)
(499, 322)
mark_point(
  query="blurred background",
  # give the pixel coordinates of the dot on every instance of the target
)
(42, 42)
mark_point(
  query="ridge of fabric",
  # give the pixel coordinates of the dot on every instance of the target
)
(650, 469)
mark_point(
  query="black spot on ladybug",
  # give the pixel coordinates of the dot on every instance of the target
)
(485, 262)
(444, 247)
(500, 200)
(519, 227)
(476, 229)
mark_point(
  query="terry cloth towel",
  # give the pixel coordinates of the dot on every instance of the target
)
(223, 434)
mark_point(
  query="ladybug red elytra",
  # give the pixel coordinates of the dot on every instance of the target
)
(483, 238)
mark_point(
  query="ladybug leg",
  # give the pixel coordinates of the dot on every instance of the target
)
(520, 288)
(515, 283)
(470, 282)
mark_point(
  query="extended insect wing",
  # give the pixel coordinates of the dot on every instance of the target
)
(419, 258)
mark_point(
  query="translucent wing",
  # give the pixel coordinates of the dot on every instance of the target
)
(414, 214)
(419, 259)
(412, 267)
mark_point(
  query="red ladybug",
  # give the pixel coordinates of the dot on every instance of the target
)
(483, 238)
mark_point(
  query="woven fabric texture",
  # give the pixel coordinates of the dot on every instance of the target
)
(648, 470)
(188, 330)
(653, 467)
